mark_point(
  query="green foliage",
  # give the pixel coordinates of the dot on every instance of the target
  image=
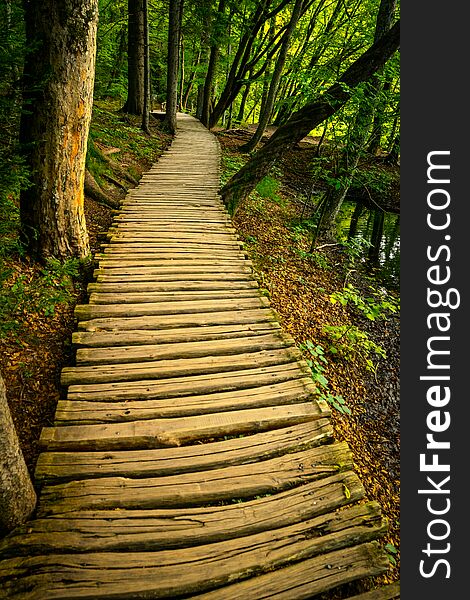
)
(268, 188)
(374, 179)
(231, 163)
(378, 306)
(350, 342)
(41, 292)
(391, 553)
(317, 363)
(316, 257)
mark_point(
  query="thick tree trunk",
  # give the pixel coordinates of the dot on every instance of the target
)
(174, 36)
(59, 77)
(307, 118)
(17, 495)
(135, 58)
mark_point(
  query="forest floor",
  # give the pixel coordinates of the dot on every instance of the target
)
(275, 229)
(36, 343)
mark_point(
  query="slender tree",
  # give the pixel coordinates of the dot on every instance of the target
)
(146, 104)
(307, 118)
(135, 58)
(174, 38)
(58, 96)
(268, 104)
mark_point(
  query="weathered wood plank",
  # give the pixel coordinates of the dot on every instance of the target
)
(170, 286)
(174, 273)
(73, 412)
(155, 369)
(96, 339)
(161, 433)
(172, 573)
(201, 488)
(308, 578)
(125, 297)
(187, 386)
(128, 354)
(387, 592)
(85, 312)
(65, 466)
(134, 530)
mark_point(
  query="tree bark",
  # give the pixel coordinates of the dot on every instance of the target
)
(307, 118)
(93, 191)
(17, 495)
(146, 103)
(135, 58)
(174, 37)
(58, 98)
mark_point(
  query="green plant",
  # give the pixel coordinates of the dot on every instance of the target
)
(350, 342)
(377, 306)
(40, 291)
(317, 362)
(268, 188)
(391, 553)
(57, 283)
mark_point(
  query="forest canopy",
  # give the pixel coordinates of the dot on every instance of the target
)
(324, 67)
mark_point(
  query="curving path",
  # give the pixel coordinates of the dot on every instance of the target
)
(190, 458)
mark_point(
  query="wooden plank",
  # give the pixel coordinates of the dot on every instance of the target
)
(134, 530)
(173, 261)
(308, 578)
(142, 247)
(97, 339)
(85, 312)
(171, 286)
(234, 317)
(127, 354)
(172, 273)
(55, 467)
(163, 369)
(187, 386)
(162, 433)
(237, 275)
(176, 573)
(387, 592)
(124, 297)
(71, 412)
(200, 488)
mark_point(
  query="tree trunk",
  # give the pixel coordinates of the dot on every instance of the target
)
(192, 77)
(268, 104)
(146, 104)
(93, 191)
(58, 98)
(307, 118)
(17, 495)
(174, 36)
(135, 58)
(211, 70)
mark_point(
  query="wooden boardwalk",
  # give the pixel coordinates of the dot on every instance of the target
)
(190, 458)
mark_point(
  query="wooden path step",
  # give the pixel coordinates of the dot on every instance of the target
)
(191, 455)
